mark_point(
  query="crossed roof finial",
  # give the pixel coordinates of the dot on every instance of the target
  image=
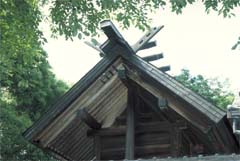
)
(115, 37)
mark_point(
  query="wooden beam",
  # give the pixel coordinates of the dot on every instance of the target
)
(151, 80)
(152, 101)
(149, 45)
(97, 147)
(197, 136)
(121, 120)
(140, 129)
(141, 151)
(130, 133)
(153, 57)
(96, 47)
(165, 68)
(121, 73)
(88, 119)
(115, 44)
(162, 103)
(230, 144)
(143, 40)
(57, 118)
(110, 30)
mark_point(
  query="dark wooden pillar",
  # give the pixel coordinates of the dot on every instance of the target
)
(176, 141)
(97, 148)
(130, 133)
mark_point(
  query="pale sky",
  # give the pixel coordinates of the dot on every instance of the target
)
(194, 40)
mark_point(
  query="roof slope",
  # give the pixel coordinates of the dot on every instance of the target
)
(63, 102)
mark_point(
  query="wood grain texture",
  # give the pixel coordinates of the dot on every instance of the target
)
(130, 131)
(88, 119)
(69, 97)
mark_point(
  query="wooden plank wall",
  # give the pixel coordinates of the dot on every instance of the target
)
(153, 136)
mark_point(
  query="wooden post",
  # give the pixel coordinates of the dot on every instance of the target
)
(97, 147)
(130, 133)
(176, 141)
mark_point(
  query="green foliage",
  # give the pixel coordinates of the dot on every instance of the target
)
(28, 86)
(24, 69)
(213, 90)
(81, 18)
(19, 27)
(13, 146)
(32, 84)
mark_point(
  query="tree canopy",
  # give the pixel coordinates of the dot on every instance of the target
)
(77, 18)
(13, 145)
(24, 69)
(215, 91)
(28, 86)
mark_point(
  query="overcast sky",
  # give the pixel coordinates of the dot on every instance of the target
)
(194, 40)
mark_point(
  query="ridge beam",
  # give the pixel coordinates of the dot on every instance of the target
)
(110, 30)
(115, 40)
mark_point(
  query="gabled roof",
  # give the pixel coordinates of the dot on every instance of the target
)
(101, 93)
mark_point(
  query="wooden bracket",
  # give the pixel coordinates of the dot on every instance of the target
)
(165, 68)
(153, 57)
(149, 45)
(88, 119)
(144, 40)
(122, 73)
(162, 104)
(96, 47)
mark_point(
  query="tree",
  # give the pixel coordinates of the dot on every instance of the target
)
(77, 18)
(19, 31)
(28, 86)
(13, 145)
(211, 89)
(24, 69)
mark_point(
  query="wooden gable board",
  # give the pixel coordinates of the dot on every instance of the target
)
(214, 113)
(206, 116)
(69, 97)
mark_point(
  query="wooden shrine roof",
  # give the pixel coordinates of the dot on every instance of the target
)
(104, 96)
